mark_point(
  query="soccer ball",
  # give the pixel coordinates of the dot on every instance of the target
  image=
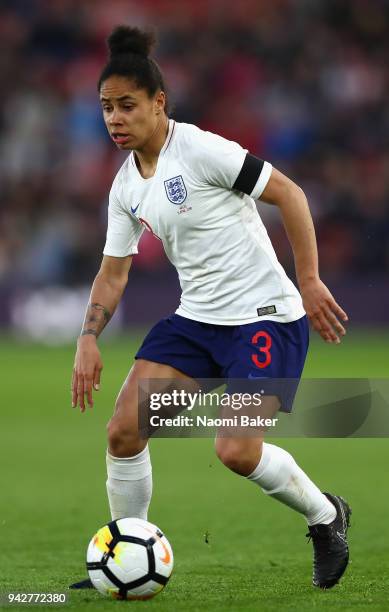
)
(129, 559)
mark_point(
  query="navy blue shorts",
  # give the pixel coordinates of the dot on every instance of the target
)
(265, 350)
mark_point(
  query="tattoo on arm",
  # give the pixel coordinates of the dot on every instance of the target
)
(100, 308)
(88, 332)
(96, 318)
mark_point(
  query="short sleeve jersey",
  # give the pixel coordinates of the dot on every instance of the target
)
(211, 231)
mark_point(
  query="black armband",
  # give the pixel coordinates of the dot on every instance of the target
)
(249, 174)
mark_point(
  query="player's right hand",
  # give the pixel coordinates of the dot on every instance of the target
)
(86, 371)
(323, 311)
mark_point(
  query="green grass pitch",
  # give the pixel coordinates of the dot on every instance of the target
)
(257, 558)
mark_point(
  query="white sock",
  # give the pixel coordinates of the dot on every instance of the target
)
(129, 485)
(279, 476)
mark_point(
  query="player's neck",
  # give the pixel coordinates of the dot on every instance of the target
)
(147, 157)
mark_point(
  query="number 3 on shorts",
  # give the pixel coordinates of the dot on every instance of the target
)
(263, 349)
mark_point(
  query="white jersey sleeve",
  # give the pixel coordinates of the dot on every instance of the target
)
(123, 232)
(224, 163)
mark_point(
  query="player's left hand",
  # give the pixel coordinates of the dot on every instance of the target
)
(323, 311)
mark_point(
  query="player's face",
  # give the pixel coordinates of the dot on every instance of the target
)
(130, 115)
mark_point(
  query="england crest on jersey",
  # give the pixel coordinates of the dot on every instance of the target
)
(176, 190)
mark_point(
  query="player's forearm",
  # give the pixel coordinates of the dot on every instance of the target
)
(105, 296)
(293, 205)
(300, 230)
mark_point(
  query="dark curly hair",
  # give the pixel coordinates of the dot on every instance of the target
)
(129, 50)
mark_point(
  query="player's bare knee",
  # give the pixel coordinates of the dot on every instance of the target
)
(230, 453)
(123, 440)
(240, 455)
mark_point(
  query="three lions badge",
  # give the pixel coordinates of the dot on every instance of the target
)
(176, 190)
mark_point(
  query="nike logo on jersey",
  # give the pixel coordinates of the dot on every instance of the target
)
(133, 210)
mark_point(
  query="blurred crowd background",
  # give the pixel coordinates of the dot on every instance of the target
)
(301, 83)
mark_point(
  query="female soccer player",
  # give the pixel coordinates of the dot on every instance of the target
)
(239, 317)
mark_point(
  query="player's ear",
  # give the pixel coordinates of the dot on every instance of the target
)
(160, 102)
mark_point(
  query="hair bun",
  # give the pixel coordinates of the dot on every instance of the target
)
(124, 40)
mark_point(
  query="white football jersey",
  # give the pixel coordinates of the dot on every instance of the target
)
(212, 233)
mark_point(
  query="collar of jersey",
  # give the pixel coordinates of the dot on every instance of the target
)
(169, 136)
